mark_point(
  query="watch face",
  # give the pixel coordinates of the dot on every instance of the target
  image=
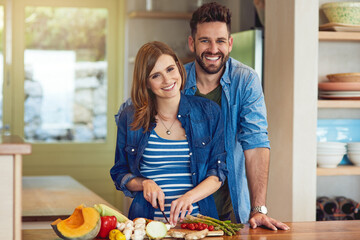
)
(263, 210)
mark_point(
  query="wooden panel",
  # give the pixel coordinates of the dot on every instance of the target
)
(160, 15)
(339, 171)
(7, 200)
(17, 196)
(13, 145)
(339, 36)
(50, 197)
(338, 104)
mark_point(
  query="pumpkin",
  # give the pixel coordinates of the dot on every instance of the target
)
(83, 224)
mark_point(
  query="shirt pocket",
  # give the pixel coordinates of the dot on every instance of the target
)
(203, 146)
(131, 152)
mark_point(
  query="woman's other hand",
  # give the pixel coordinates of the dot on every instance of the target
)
(153, 193)
(181, 205)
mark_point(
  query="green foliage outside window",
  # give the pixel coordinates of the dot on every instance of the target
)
(80, 29)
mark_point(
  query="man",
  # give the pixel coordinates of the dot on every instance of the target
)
(237, 89)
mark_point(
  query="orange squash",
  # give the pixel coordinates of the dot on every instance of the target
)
(83, 224)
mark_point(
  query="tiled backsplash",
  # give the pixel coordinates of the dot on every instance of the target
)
(338, 130)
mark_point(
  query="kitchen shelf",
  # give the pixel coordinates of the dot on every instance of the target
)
(160, 15)
(338, 103)
(339, 36)
(338, 171)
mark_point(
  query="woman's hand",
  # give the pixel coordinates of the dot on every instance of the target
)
(180, 205)
(153, 193)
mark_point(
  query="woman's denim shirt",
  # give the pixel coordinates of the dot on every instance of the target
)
(203, 124)
(244, 114)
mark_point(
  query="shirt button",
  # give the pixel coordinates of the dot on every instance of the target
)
(133, 150)
(179, 116)
(194, 174)
(219, 161)
(190, 153)
(193, 88)
(203, 143)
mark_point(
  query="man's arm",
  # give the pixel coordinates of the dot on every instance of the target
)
(257, 171)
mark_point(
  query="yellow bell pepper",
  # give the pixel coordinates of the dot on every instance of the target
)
(120, 236)
(113, 233)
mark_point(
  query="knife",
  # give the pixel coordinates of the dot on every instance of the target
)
(162, 211)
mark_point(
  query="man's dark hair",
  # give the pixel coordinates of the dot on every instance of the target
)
(210, 12)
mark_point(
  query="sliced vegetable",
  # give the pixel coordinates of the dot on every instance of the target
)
(105, 210)
(156, 230)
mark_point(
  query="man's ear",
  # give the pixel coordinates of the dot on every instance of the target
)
(231, 40)
(191, 43)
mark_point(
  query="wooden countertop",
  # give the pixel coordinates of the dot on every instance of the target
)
(10, 145)
(327, 230)
(46, 198)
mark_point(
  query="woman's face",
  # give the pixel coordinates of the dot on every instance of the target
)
(165, 79)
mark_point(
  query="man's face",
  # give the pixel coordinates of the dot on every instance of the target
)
(211, 45)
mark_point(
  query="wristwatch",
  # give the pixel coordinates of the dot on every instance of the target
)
(259, 209)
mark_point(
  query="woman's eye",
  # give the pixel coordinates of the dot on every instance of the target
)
(170, 69)
(154, 76)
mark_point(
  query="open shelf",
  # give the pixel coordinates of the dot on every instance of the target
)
(338, 103)
(338, 171)
(160, 15)
(339, 36)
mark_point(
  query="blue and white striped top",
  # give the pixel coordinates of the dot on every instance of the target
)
(167, 162)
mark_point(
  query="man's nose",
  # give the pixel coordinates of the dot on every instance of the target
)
(213, 47)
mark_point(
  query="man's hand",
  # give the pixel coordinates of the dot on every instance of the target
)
(259, 219)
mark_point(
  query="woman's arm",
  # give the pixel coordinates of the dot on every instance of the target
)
(207, 187)
(152, 192)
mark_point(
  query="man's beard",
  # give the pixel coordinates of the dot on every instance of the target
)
(208, 69)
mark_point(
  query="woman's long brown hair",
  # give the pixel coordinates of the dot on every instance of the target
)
(143, 98)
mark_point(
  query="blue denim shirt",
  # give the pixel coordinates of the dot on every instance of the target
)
(244, 112)
(203, 124)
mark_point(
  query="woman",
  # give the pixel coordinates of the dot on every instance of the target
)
(170, 147)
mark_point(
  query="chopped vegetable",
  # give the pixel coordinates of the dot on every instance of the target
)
(156, 230)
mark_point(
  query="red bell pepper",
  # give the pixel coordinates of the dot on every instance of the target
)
(108, 223)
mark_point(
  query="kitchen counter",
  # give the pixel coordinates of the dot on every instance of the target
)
(47, 198)
(327, 230)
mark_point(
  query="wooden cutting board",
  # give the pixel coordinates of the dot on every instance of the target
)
(210, 234)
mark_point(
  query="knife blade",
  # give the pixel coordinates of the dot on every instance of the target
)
(162, 211)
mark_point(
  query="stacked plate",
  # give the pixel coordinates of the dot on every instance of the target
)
(353, 152)
(341, 86)
(330, 154)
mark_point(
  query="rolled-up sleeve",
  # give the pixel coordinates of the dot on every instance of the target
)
(252, 121)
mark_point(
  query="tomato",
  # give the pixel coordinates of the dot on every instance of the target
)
(211, 228)
(191, 226)
(200, 228)
(205, 226)
(196, 225)
(184, 225)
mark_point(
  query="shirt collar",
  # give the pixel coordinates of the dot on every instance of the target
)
(184, 105)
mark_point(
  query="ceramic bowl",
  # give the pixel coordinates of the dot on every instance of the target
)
(329, 160)
(342, 12)
(354, 158)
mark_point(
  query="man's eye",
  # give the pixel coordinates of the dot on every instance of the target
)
(204, 41)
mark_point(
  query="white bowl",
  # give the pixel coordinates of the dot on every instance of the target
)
(331, 152)
(329, 160)
(354, 158)
(331, 144)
